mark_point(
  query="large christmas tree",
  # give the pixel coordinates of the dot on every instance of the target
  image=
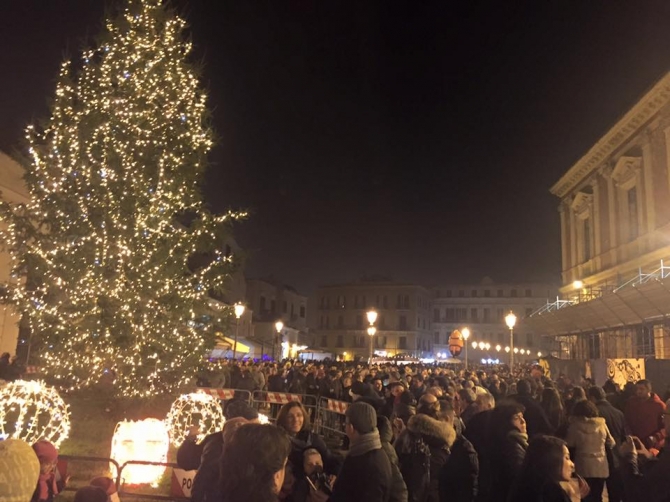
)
(108, 241)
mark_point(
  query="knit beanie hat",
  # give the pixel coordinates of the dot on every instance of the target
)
(362, 417)
(19, 471)
(46, 452)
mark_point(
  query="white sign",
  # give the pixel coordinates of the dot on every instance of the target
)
(182, 482)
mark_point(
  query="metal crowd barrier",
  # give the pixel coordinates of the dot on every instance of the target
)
(270, 403)
(147, 496)
(225, 395)
(331, 417)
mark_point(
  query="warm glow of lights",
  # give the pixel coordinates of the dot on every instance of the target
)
(372, 316)
(144, 440)
(487, 346)
(466, 333)
(239, 310)
(507, 349)
(32, 411)
(498, 347)
(482, 345)
(539, 354)
(578, 284)
(510, 320)
(116, 219)
(516, 350)
(198, 409)
(474, 345)
(263, 419)
(285, 350)
(279, 326)
(372, 330)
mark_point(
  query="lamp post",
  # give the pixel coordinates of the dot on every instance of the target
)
(372, 317)
(510, 320)
(239, 310)
(466, 334)
(279, 326)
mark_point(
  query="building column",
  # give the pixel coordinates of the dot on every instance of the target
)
(565, 259)
(595, 218)
(612, 213)
(574, 257)
(648, 195)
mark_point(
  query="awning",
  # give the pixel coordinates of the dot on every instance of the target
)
(632, 305)
(225, 343)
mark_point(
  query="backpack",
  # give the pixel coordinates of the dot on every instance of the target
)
(415, 469)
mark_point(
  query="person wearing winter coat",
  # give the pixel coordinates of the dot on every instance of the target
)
(536, 419)
(616, 423)
(508, 444)
(646, 477)
(366, 474)
(425, 440)
(589, 437)
(644, 415)
(398, 486)
(458, 481)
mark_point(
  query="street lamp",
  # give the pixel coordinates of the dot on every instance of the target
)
(279, 326)
(510, 320)
(498, 347)
(466, 334)
(372, 317)
(239, 310)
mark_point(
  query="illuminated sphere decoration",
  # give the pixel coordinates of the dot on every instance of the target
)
(32, 411)
(198, 409)
(146, 440)
(456, 343)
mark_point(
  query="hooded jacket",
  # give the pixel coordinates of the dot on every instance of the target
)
(439, 437)
(590, 437)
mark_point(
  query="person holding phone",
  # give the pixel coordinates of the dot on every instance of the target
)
(646, 477)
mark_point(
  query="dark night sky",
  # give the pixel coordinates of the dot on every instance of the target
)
(416, 140)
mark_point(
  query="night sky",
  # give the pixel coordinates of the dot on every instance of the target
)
(416, 140)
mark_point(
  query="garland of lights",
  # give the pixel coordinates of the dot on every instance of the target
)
(32, 411)
(112, 174)
(194, 409)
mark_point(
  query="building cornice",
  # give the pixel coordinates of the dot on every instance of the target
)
(627, 126)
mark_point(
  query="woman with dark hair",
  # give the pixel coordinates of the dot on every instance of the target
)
(577, 394)
(553, 407)
(546, 466)
(508, 443)
(589, 436)
(294, 419)
(253, 463)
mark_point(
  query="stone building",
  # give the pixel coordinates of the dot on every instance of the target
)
(482, 308)
(403, 323)
(615, 237)
(273, 301)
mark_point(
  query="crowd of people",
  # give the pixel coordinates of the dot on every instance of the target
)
(429, 434)
(410, 434)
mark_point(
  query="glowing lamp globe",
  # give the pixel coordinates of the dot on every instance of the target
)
(32, 411)
(455, 343)
(146, 440)
(198, 409)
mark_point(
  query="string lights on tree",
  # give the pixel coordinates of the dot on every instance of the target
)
(32, 411)
(118, 251)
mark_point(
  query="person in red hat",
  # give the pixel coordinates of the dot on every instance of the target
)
(49, 483)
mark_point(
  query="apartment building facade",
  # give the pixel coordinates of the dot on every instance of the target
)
(403, 321)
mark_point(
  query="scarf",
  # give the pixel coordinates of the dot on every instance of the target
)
(519, 437)
(46, 486)
(365, 443)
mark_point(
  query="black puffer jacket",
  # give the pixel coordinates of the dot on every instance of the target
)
(507, 457)
(438, 436)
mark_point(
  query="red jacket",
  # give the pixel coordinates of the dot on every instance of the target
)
(645, 419)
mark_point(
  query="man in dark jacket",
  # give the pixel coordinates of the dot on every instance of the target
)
(459, 475)
(617, 426)
(644, 415)
(536, 418)
(366, 473)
